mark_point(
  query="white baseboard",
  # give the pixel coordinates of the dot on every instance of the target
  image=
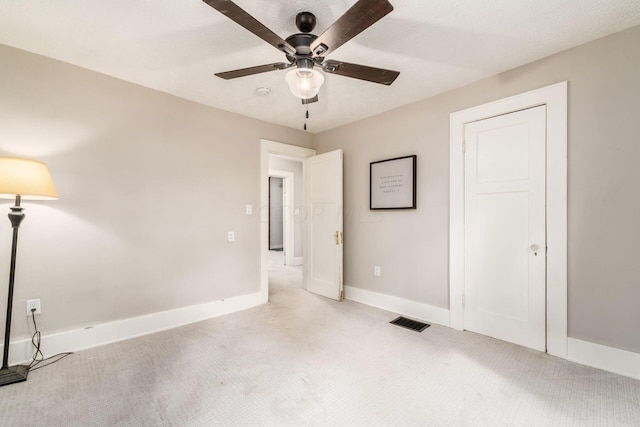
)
(297, 260)
(599, 356)
(119, 330)
(401, 306)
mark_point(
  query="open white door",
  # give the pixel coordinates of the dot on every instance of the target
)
(323, 225)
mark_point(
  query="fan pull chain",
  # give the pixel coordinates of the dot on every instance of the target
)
(306, 117)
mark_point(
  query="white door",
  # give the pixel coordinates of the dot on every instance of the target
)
(323, 229)
(505, 230)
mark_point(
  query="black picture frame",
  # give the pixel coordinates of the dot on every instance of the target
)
(392, 183)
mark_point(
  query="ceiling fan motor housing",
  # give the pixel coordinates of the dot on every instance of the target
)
(301, 42)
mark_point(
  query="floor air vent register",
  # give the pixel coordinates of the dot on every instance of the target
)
(410, 324)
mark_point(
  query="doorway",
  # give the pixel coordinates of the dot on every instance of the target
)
(274, 150)
(285, 233)
(554, 100)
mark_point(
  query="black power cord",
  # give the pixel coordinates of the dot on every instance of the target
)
(38, 357)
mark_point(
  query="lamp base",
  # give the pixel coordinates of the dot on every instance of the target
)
(13, 374)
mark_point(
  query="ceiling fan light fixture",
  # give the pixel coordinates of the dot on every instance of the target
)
(304, 83)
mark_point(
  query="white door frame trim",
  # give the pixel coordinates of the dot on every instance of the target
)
(555, 99)
(287, 210)
(266, 148)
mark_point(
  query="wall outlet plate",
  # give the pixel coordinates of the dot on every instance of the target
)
(376, 270)
(31, 304)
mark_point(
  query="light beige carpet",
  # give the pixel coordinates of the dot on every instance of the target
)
(305, 360)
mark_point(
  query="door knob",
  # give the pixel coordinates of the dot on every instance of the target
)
(535, 249)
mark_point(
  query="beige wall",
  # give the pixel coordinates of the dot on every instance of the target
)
(149, 185)
(604, 206)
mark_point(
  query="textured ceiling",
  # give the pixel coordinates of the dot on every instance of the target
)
(176, 46)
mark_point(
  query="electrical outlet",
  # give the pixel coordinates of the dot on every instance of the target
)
(249, 210)
(33, 304)
(376, 270)
(231, 236)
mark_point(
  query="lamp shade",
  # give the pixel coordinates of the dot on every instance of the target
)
(28, 178)
(304, 82)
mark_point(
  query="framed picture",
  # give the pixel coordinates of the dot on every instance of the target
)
(392, 183)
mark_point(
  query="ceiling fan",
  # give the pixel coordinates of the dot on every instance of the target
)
(304, 50)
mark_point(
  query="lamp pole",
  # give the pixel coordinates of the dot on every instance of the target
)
(15, 216)
(16, 373)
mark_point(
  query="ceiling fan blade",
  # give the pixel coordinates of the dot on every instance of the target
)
(361, 16)
(309, 100)
(253, 70)
(240, 16)
(362, 72)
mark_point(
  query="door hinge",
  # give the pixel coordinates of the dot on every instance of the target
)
(338, 237)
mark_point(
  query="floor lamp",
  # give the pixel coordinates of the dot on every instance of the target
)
(20, 179)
